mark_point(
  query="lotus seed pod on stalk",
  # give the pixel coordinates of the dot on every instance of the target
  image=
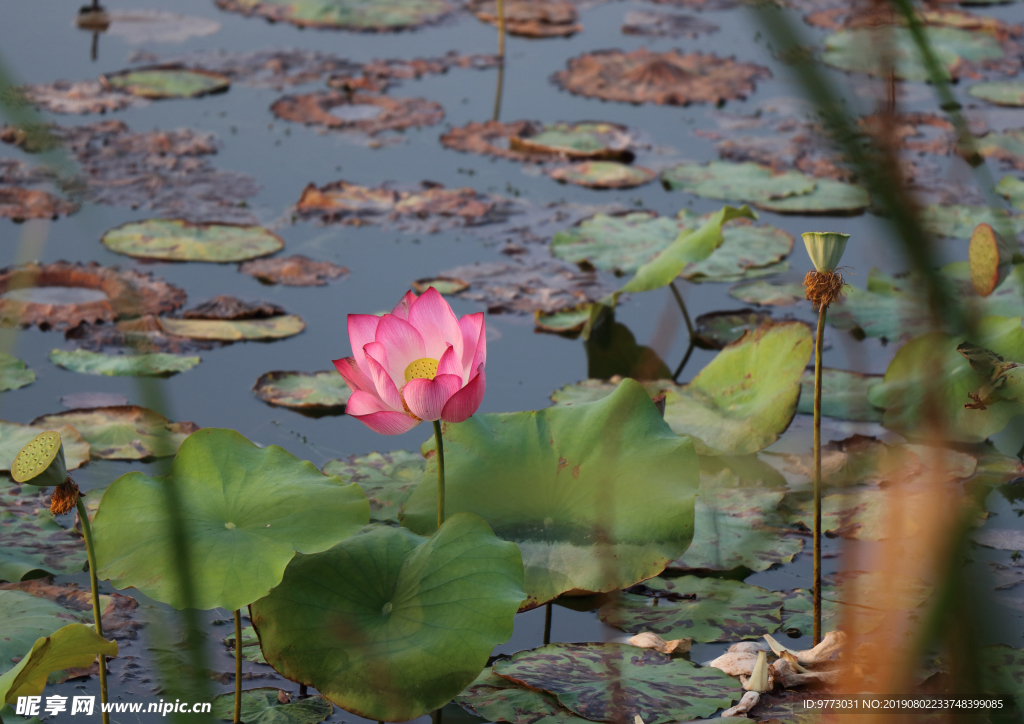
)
(824, 285)
(41, 461)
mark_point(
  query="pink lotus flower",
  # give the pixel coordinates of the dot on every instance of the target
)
(418, 363)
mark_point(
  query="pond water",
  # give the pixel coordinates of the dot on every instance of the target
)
(40, 44)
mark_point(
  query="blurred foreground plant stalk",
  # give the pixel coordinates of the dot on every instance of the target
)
(97, 616)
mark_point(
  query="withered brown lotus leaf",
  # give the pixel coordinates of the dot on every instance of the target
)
(122, 293)
(356, 205)
(531, 18)
(671, 78)
(88, 96)
(666, 25)
(603, 175)
(20, 204)
(379, 75)
(492, 138)
(225, 306)
(293, 271)
(364, 112)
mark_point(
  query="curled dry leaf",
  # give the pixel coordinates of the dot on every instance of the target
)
(493, 138)
(88, 96)
(225, 306)
(531, 18)
(664, 78)
(144, 335)
(64, 295)
(735, 663)
(648, 640)
(293, 271)
(747, 702)
(363, 112)
(786, 674)
(21, 204)
(666, 25)
(378, 75)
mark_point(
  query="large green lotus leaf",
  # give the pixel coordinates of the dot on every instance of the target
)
(153, 364)
(715, 330)
(123, 432)
(747, 395)
(617, 682)
(747, 182)
(854, 50)
(316, 392)
(262, 706)
(13, 437)
(768, 294)
(167, 82)
(593, 390)
(1007, 147)
(234, 330)
(247, 511)
(707, 610)
(598, 496)
(387, 479)
(832, 198)
(365, 15)
(494, 698)
(13, 373)
(389, 625)
(73, 646)
(1012, 188)
(32, 543)
(958, 220)
(180, 240)
(1001, 93)
(26, 618)
(931, 362)
(844, 395)
(746, 250)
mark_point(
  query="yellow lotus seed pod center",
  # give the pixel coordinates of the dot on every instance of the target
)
(422, 369)
(35, 457)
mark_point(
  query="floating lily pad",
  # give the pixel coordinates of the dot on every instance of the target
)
(263, 706)
(89, 96)
(1001, 93)
(851, 50)
(445, 285)
(167, 81)
(124, 432)
(565, 321)
(361, 15)
(715, 330)
(234, 330)
(1007, 147)
(180, 240)
(13, 373)
(704, 609)
(745, 398)
(293, 271)
(13, 437)
(494, 698)
(617, 682)
(156, 364)
(603, 175)
(251, 650)
(844, 395)
(387, 479)
(531, 18)
(598, 389)
(666, 25)
(358, 112)
(750, 182)
(73, 646)
(26, 618)
(548, 480)
(411, 627)
(20, 204)
(32, 542)
(249, 510)
(959, 221)
(590, 140)
(671, 78)
(306, 391)
(831, 198)
(1013, 189)
(771, 294)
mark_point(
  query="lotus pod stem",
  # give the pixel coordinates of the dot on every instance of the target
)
(97, 614)
(501, 29)
(439, 440)
(238, 666)
(817, 471)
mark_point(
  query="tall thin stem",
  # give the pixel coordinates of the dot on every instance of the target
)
(682, 307)
(682, 364)
(501, 29)
(440, 473)
(97, 615)
(817, 472)
(238, 666)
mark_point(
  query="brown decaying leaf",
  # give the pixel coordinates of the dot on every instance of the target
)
(666, 25)
(395, 114)
(293, 271)
(648, 640)
(143, 334)
(116, 616)
(128, 293)
(225, 306)
(642, 76)
(747, 702)
(21, 204)
(379, 75)
(492, 138)
(87, 96)
(700, 4)
(531, 18)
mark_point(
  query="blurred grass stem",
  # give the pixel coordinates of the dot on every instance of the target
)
(97, 614)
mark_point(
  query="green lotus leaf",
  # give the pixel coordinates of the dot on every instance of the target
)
(1001, 93)
(710, 609)
(576, 140)
(13, 437)
(365, 15)
(715, 330)
(617, 682)
(317, 392)
(32, 543)
(844, 395)
(9, 717)
(180, 240)
(958, 221)
(167, 82)
(603, 175)
(122, 432)
(26, 618)
(568, 321)
(549, 481)
(494, 698)
(153, 364)
(829, 197)
(768, 294)
(746, 182)
(593, 390)
(934, 356)
(387, 479)
(389, 625)
(1013, 189)
(853, 50)
(13, 373)
(444, 285)
(234, 330)
(251, 650)
(262, 706)
(745, 398)
(73, 646)
(247, 511)
(1007, 146)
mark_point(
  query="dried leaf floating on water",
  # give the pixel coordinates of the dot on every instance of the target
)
(603, 175)
(226, 330)
(122, 365)
(648, 640)
(225, 306)
(126, 432)
(666, 25)
(181, 240)
(166, 81)
(538, 142)
(663, 78)
(363, 112)
(139, 27)
(20, 204)
(387, 479)
(88, 96)
(376, 16)
(531, 18)
(378, 75)
(65, 295)
(315, 392)
(293, 271)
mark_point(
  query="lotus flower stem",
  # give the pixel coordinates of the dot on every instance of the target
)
(440, 473)
(547, 623)
(90, 552)
(682, 307)
(817, 472)
(238, 666)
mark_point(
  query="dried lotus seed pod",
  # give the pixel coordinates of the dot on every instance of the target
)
(41, 461)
